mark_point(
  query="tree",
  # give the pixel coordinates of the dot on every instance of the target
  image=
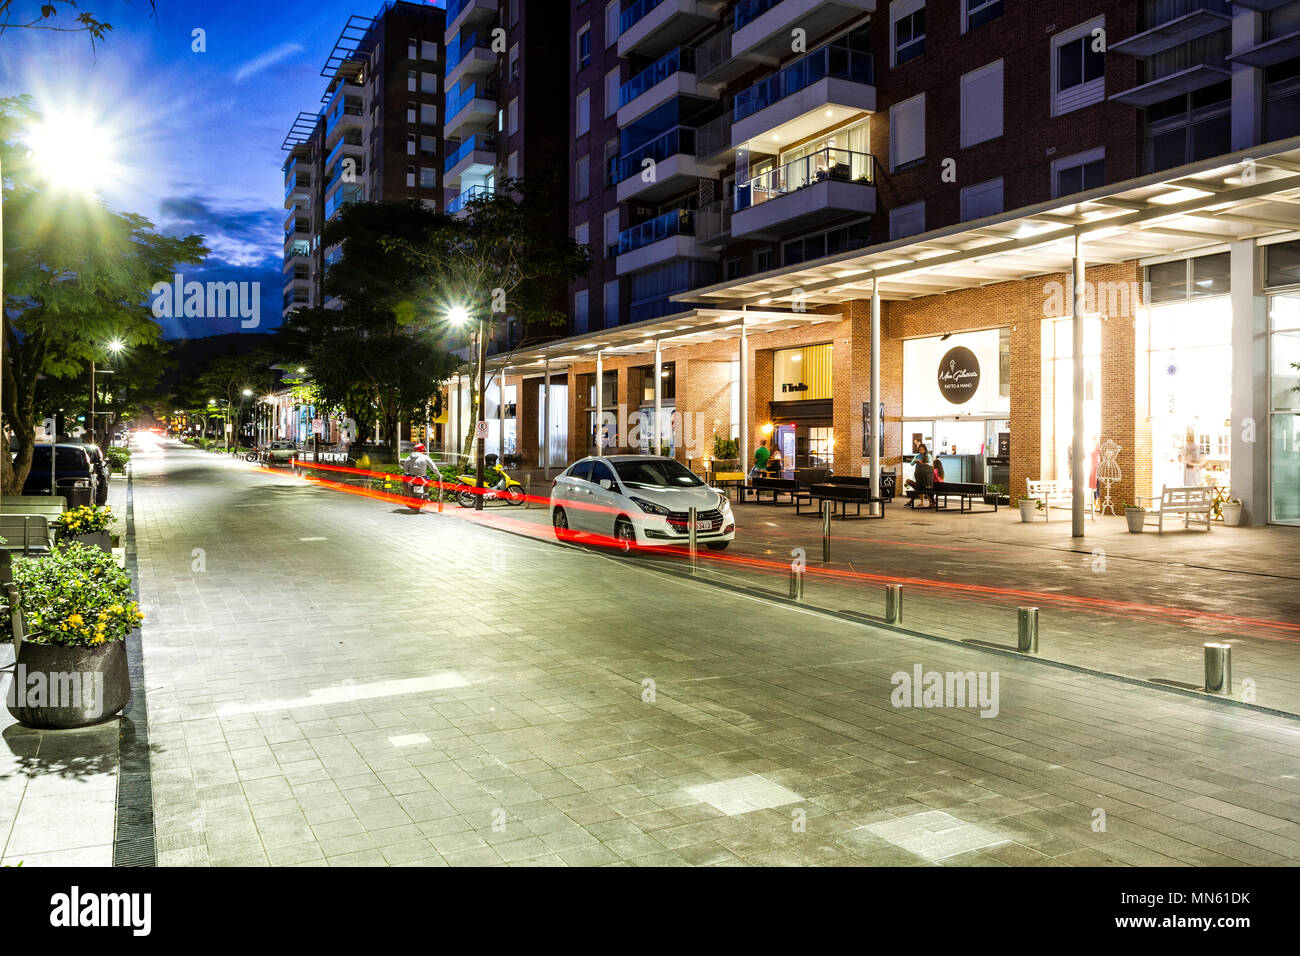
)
(381, 353)
(226, 378)
(43, 16)
(77, 275)
(503, 257)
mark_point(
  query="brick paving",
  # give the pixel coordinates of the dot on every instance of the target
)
(333, 680)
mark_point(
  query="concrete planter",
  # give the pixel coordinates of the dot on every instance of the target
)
(57, 688)
(1027, 508)
(1231, 513)
(92, 539)
(1137, 519)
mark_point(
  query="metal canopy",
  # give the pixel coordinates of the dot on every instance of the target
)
(1171, 33)
(301, 130)
(1184, 81)
(1266, 54)
(1251, 194)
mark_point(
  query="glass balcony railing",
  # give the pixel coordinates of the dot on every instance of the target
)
(295, 184)
(833, 60)
(678, 222)
(829, 164)
(629, 17)
(299, 247)
(468, 196)
(479, 141)
(454, 7)
(345, 196)
(679, 139)
(337, 151)
(464, 95)
(747, 11)
(461, 47)
(681, 59)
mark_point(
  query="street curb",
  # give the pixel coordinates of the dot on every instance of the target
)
(133, 828)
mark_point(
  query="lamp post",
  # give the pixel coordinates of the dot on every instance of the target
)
(115, 347)
(460, 316)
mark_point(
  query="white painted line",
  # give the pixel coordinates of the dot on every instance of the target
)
(350, 692)
(408, 740)
(313, 539)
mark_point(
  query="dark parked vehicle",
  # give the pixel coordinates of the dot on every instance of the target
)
(102, 470)
(74, 474)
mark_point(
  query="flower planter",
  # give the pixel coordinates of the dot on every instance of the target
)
(91, 539)
(1231, 513)
(1027, 508)
(57, 688)
(1137, 519)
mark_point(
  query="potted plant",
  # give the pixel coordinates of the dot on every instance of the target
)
(87, 524)
(70, 668)
(1027, 508)
(995, 495)
(1231, 509)
(1136, 516)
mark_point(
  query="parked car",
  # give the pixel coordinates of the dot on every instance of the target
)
(73, 470)
(281, 452)
(640, 500)
(102, 470)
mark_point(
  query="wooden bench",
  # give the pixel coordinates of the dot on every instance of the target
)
(1190, 502)
(29, 534)
(965, 491)
(50, 505)
(1059, 493)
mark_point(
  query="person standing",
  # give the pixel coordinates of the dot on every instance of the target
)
(1094, 465)
(1191, 461)
(774, 461)
(761, 455)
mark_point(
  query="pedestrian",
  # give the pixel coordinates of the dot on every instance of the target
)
(1191, 461)
(774, 461)
(761, 455)
(1094, 465)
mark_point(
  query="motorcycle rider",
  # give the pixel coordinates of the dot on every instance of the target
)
(418, 465)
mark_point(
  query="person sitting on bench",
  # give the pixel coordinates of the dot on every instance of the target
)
(922, 477)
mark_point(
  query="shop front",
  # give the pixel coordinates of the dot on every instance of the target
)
(802, 410)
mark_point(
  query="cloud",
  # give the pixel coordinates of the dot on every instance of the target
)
(266, 60)
(239, 234)
(267, 273)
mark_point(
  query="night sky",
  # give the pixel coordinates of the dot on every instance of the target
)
(198, 133)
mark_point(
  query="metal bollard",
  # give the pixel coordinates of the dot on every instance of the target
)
(893, 604)
(1218, 668)
(692, 543)
(1027, 630)
(528, 492)
(796, 583)
(826, 531)
(440, 493)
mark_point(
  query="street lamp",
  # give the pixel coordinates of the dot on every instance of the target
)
(115, 346)
(460, 316)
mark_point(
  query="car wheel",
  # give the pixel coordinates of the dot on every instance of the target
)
(717, 545)
(560, 521)
(625, 535)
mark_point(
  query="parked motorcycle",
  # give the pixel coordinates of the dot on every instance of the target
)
(512, 493)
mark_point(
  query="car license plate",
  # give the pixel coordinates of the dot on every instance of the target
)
(704, 525)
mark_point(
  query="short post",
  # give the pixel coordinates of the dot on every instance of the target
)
(528, 491)
(691, 538)
(893, 604)
(440, 492)
(1027, 630)
(1218, 668)
(826, 531)
(796, 582)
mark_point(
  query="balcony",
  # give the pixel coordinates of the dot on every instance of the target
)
(714, 62)
(469, 55)
(652, 27)
(472, 105)
(671, 75)
(762, 27)
(463, 13)
(671, 168)
(659, 240)
(822, 186)
(474, 156)
(461, 202)
(344, 114)
(713, 140)
(824, 88)
(1176, 22)
(299, 188)
(713, 223)
(1182, 81)
(344, 196)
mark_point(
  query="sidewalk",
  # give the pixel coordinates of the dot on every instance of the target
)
(58, 788)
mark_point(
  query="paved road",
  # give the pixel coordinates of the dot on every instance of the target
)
(334, 680)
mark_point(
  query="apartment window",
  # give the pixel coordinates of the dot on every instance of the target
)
(1074, 174)
(613, 12)
(583, 125)
(501, 119)
(762, 260)
(731, 268)
(584, 47)
(1190, 278)
(410, 176)
(611, 162)
(582, 235)
(428, 50)
(580, 316)
(611, 303)
(428, 177)
(410, 144)
(514, 63)
(428, 114)
(582, 178)
(428, 82)
(514, 13)
(853, 236)
(428, 146)
(1078, 70)
(411, 112)
(412, 81)
(907, 220)
(412, 48)
(982, 199)
(611, 229)
(981, 104)
(976, 13)
(512, 165)
(613, 82)
(907, 132)
(512, 113)
(908, 34)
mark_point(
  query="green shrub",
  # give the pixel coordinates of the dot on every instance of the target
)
(75, 596)
(118, 457)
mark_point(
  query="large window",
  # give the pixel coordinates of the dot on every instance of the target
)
(1078, 68)
(1188, 278)
(907, 220)
(976, 13)
(908, 34)
(982, 199)
(1082, 171)
(1284, 389)
(981, 104)
(907, 132)
(1188, 127)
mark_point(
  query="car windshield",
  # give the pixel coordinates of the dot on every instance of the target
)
(70, 459)
(656, 473)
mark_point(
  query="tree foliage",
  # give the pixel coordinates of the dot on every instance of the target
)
(44, 15)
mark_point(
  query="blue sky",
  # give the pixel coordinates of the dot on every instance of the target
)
(198, 133)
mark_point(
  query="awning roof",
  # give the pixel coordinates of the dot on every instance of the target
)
(1184, 81)
(1198, 208)
(1171, 33)
(1273, 51)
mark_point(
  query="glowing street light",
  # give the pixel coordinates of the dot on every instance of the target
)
(72, 151)
(460, 316)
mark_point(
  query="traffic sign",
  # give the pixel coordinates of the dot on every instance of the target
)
(481, 429)
(318, 426)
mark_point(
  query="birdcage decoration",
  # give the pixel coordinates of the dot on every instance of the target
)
(1108, 472)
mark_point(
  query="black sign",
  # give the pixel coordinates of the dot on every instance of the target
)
(959, 375)
(794, 387)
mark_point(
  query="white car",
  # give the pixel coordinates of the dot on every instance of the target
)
(639, 500)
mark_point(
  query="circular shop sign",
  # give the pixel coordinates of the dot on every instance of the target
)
(959, 375)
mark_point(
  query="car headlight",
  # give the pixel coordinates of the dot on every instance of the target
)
(650, 508)
(724, 502)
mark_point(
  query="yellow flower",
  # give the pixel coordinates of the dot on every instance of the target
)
(75, 619)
